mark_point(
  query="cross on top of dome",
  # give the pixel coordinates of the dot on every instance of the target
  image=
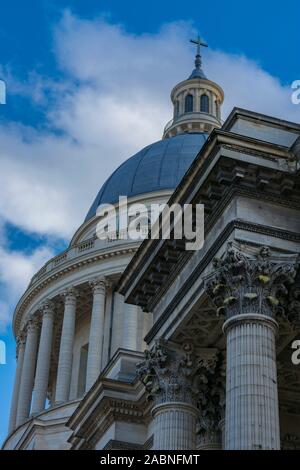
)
(196, 101)
(199, 42)
(198, 72)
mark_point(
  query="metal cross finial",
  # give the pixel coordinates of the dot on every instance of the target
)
(199, 42)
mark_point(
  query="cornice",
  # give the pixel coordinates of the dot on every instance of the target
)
(38, 420)
(185, 192)
(164, 193)
(99, 410)
(197, 82)
(223, 237)
(74, 264)
(212, 216)
(259, 118)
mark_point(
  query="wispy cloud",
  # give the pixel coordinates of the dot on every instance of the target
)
(111, 99)
(16, 270)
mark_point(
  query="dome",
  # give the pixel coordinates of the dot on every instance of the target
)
(158, 166)
(197, 73)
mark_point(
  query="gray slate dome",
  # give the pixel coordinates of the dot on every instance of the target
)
(158, 166)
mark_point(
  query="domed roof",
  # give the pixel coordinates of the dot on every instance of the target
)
(158, 166)
(197, 73)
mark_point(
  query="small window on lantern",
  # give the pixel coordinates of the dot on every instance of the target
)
(188, 108)
(204, 104)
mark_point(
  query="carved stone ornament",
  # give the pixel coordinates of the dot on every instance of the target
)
(173, 374)
(33, 323)
(249, 280)
(47, 307)
(293, 304)
(70, 295)
(21, 341)
(99, 285)
(211, 399)
(290, 442)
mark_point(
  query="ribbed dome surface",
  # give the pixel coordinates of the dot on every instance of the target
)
(158, 166)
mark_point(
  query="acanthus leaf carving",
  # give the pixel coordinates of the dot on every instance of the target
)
(251, 280)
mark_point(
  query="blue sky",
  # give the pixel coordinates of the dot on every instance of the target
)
(68, 123)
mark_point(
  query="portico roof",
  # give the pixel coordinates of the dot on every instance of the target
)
(213, 176)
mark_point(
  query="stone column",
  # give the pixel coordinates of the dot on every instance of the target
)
(15, 396)
(252, 416)
(28, 369)
(65, 360)
(44, 357)
(175, 426)
(96, 332)
(168, 374)
(249, 287)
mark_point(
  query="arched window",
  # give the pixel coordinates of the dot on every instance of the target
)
(204, 104)
(188, 105)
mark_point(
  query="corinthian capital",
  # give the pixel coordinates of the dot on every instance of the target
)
(293, 307)
(172, 373)
(249, 280)
(211, 400)
(33, 323)
(99, 285)
(47, 307)
(70, 295)
(21, 340)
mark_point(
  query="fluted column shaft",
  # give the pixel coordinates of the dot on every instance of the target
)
(96, 332)
(250, 286)
(174, 426)
(27, 376)
(252, 413)
(15, 397)
(44, 357)
(66, 347)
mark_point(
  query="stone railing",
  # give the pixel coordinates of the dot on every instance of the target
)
(194, 116)
(82, 248)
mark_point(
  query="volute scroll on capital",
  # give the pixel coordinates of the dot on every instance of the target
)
(99, 284)
(70, 295)
(47, 307)
(21, 340)
(171, 373)
(292, 311)
(211, 399)
(33, 323)
(251, 280)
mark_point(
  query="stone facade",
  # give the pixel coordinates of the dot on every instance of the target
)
(239, 294)
(129, 345)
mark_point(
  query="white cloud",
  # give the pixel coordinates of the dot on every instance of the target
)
(111, 100)
(248, 86)
(16, 270)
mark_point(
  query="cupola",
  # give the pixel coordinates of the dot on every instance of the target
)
(197, 102)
